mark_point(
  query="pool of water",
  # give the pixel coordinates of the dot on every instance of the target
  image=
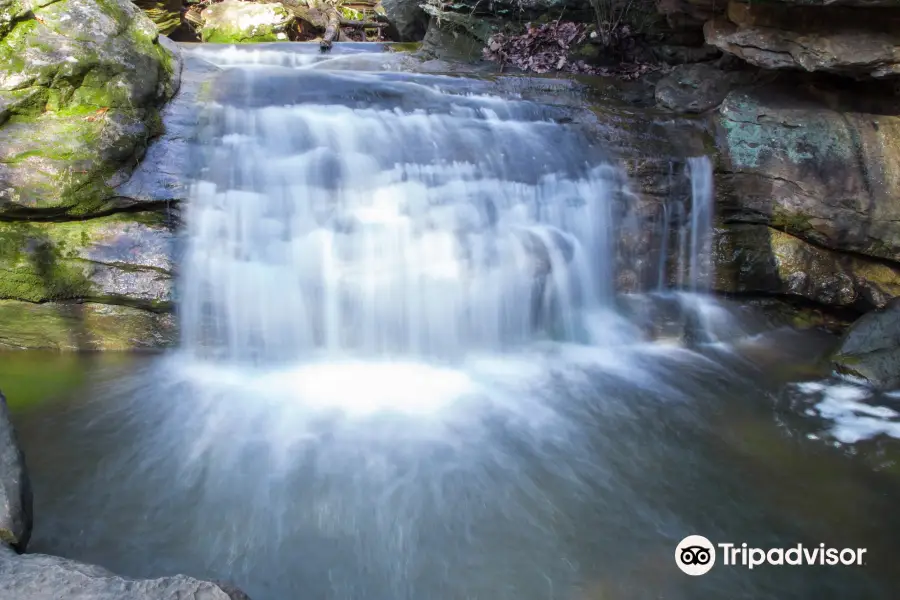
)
(552, 471)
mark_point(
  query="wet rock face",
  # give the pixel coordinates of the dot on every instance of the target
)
(128, 257)
(843, 40)
(756, 259)
(871, 348)
(15, 488)
(81, 86)
(236, 22)
(820, 164)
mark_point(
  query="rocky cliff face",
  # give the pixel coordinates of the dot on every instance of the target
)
(808, 173)
(81, 85)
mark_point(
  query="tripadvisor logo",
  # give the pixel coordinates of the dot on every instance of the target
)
(696, 555)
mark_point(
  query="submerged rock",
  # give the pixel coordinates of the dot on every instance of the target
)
(80, 86)
(236, 22)
(15, 488)
(871, 349)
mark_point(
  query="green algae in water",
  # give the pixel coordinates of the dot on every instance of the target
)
(32, 378)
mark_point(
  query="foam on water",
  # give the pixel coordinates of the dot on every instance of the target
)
(855, 411)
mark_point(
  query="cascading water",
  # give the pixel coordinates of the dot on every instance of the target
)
(403, 375)
(463, 222)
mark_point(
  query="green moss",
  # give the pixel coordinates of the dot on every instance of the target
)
(81, 327)
(403, 46)
(32, 265)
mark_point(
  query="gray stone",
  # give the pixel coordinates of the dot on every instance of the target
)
(698, 88)
(408, 19)
(15, 488)
(42, 577)
(871, 348)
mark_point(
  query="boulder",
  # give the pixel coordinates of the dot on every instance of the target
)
(42, 577)
(871, 348)
(124, 258)
(759, 260)
(819, 163)
(15, 488)
(80, 86)
(165, 14)
(698, 88)
(237, 22)
(407, 18)
(844, 40)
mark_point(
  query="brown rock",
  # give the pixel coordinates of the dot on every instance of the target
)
(818, 163)
(847, 41)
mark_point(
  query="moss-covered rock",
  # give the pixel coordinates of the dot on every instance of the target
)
(756, 259)
(122, 259)
(82, 326)
(236, 22)
(80, 85)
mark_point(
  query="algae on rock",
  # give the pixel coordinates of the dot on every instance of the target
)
(81, 82)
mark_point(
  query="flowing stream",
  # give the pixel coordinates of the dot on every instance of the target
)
(405, 372)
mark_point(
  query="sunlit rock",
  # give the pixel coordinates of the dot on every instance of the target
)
(757, 259)
(236, 22)
(80, 87)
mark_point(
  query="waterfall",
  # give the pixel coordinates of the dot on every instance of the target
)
(433, 224)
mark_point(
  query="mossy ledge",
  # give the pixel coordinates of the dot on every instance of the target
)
(81, 86)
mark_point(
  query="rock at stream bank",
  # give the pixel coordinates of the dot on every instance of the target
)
(81, 83)
(871, 348)
(127, 258)
(756, 259)
(42, 577)
(15, 488)
(82, 326)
